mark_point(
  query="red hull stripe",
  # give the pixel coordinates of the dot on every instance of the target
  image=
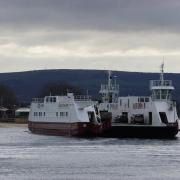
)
(66, 129)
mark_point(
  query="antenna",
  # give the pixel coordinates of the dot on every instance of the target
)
(109, 78)
(115, 80)
(162, 72)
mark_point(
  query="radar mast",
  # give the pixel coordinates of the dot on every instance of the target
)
(110, 91)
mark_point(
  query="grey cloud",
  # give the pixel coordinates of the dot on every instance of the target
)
(93, 26)
(108, 15)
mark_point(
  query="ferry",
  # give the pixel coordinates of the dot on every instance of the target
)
(67, 115)
(141, 116)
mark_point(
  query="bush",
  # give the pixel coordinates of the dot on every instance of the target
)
(7, 97)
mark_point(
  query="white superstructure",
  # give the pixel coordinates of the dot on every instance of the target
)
(62, 109)
(155, 110)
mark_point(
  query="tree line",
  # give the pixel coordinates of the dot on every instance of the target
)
(8, 97)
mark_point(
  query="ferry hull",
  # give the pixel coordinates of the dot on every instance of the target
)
(81, 129)
(142, 131)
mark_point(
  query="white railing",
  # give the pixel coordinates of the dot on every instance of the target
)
(160, 83)
(109, 88)
(112, 106)
(82, 98)
(38, 100)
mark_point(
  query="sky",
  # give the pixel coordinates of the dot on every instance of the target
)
(124, 35)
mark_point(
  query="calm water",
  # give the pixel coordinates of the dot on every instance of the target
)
(27, 156)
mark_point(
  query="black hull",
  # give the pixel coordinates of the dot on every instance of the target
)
(141, 132)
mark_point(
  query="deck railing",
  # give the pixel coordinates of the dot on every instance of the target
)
(109, 88)
(82, 98)
(160, 83)
(38, 100)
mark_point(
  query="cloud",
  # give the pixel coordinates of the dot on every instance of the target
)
(115, 15)
(98, 30)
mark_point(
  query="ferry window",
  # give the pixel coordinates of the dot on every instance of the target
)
(164, 94)
(66, 113)
(146, 99)
(47, 99)
(56, 113)
(61, 113)
(157, 94)
(141, 99)
(54, 99)
(44, 114)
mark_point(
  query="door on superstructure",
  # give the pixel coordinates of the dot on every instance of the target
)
(124, 117)
(91, 116)
(150, 118)
(163, 117)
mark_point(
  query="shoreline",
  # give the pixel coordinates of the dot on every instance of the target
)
(11, 124)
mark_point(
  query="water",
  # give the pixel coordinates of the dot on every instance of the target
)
(27, 156)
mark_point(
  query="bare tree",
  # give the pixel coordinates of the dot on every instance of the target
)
(7, 97)
(59, 89)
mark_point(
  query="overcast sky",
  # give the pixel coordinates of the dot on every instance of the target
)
(128, 35)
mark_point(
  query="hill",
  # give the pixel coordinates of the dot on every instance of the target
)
(28, 84)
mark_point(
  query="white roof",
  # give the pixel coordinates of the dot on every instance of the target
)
(3, 109)
(23, 110)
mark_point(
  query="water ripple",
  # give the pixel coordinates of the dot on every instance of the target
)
(27, 156)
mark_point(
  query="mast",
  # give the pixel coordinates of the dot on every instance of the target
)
(161, 89)
(162, 73)
(109, 92)
(109, 79)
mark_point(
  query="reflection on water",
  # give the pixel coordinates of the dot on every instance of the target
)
(27, 156)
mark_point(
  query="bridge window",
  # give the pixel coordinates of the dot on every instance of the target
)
(51, 99)
(162, 94)
(146, 99)
(141, 100)
(54, 99)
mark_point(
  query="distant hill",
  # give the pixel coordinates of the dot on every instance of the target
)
(28, 84)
